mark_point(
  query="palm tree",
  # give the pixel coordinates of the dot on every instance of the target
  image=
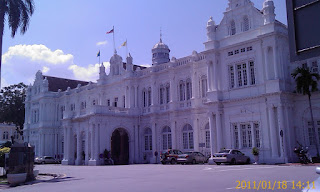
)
(17, 13)
(306, 83)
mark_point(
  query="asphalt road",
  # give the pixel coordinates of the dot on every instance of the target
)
(177, 178)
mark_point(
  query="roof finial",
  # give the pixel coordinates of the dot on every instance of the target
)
(160, 35)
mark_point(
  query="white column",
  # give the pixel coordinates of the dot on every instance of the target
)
(273, 132)
(43, 144)
(55, 148)
(275, 62)
(97, 143)
(209, 71)
(79, 159)
(266, 64)
(173, 134)
(253, 134)
(219, 131)
(283, 140)
(136, 149)
(87, 146)
(92, 141)
(195, 134)
(154, 141)
(211, 127)
(194, 83)
(136, 96)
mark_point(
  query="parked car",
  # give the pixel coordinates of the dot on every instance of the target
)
(192, 157)
(314, 186)
(170, 156)
(45, 160)
(231, 156)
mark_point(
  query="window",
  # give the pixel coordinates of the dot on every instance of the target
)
(83, 105)
(314, 67)
(204, 86)
(236, 51)
(252, 73)
(249, 48)
(231, 72)
(182, 91)
(16, 135)
(207, 135)
(73, 107)
(161, 95)
(245, 23)
(189, 89)
(233, 27)
(124, 101)
(166, 138)
(94, 102)
(236, 138)
(144, 95)
(168, 93)
(116, 102)
(239, 76)
(187, 137)
(311, 133)
(242, 74)
(5, 135)
(149, 96)
(108, 102)
(148, 139)
(243, 50)
(257, 134)
(230, 53)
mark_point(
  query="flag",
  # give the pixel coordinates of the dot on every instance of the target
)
(123, 44)
(98, 54)
(111, 31)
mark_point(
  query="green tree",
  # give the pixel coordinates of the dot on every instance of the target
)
(12, 105)
(17, 13)
(306, 83)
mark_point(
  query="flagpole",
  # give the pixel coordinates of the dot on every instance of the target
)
(114, 44)
(126, 47)
(99, 56)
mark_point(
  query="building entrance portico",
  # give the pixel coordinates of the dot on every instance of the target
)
(120, 146)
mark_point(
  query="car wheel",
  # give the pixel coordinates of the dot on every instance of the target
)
(218, 163)
(194, 161)
(233, 162)
(42, 162)
(248, 161)
(173, 161)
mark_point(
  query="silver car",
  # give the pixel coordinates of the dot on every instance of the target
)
(231, 156)
(192, 157)
(45, 160)
(314, 186)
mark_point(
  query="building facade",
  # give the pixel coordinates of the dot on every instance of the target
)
(237, 93)
(8, 130)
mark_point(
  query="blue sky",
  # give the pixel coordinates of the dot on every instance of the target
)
(64, 36)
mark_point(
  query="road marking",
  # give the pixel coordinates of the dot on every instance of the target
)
(231, 188)
(207, 168)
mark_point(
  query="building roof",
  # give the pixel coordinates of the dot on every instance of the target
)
(134, 66)
(56, 83)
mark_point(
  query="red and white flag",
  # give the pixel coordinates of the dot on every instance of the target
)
(111, 31)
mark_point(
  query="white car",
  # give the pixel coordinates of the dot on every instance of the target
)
(45, 160)
(315, 186)
(231, 156)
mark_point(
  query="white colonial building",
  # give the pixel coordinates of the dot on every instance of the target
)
(237, 93)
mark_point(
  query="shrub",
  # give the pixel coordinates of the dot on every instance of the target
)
(255, 151)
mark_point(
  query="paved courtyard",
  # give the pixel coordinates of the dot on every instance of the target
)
(160, 178)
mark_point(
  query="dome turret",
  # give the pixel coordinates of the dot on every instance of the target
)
(160, 53)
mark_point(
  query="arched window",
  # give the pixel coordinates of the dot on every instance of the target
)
(207, 130)
(189, 89)
(144, 95)
(148, 139)
(204, 88)
(168, 93)
(166, 138)
(182, 95)
(232, 28)
(5, 135)
(149, 96)
(161, 92)
(187, 137)
(246, 23)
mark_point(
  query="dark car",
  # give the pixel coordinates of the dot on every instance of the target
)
(192, 157)
(170, 156)
(45, 160)
(231, 156)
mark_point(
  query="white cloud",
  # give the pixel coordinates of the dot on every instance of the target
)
(101, 43)
(4, 83)
(21, 62)
(37, 53)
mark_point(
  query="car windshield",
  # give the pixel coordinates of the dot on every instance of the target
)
(224, 151)
(188, 152)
